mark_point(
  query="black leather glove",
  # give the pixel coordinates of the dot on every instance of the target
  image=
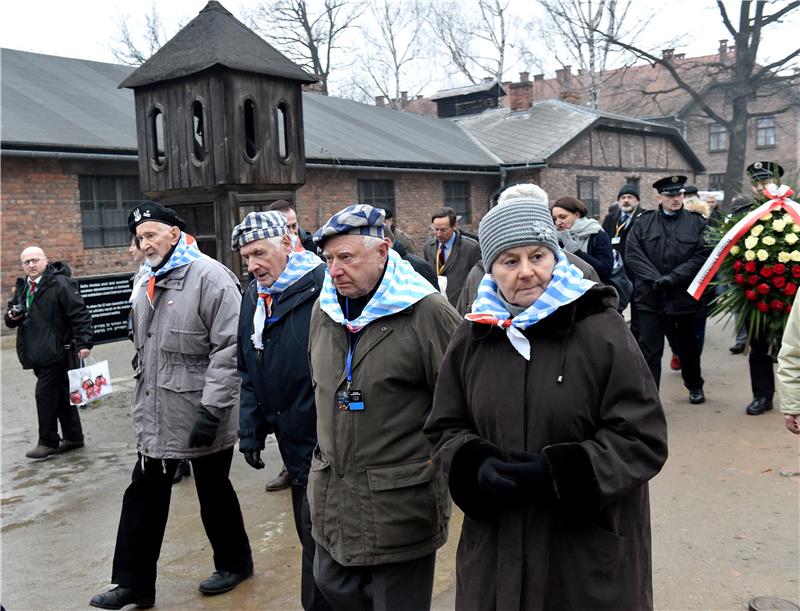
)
(526, 478)
(253, 458)
(663, 284)
(204, 430)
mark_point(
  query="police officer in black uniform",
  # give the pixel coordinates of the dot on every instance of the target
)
(665, 250)
(760, 359)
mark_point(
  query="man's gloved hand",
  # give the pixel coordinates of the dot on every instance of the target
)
(568, 242)
(663, 284)
(253, 458)
(526, 478)
(204, 430)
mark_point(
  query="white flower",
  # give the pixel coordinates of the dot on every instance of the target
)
(784, 257)
(796, 228)
(757, 230)
(791, 238)
(735, 250)
(795, 255)
(762, 254)
(778, 225)
(768, 240)
(766, 217)
(749, 255)
(787, 218)
(750, 242)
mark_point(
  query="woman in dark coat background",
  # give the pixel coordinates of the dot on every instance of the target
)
(583, 236)
(548, 426)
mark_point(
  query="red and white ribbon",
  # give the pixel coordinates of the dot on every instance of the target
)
(779, 199)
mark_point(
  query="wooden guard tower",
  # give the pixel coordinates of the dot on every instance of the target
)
(219, 120)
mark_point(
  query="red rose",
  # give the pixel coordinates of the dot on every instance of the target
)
(796, 271)
(779, 282)
(754, 280)
(762, 307)
(779, 268)
(777, 304)
(763, 288)
(766, 271)
(751, 295)
(791, 289)
(750, 266)
(737, 265)
(739, 279)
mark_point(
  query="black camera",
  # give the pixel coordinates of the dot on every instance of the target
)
(17, 309)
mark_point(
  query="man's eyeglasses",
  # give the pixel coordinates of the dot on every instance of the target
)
(27, 262)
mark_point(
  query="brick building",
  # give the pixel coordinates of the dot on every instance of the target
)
(70, 171)
(632, 92)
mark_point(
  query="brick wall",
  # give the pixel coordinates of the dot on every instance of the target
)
(41, 207)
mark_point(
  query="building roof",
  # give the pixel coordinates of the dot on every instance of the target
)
(459, 91)
(215, 37)
(60, 104)
(535, 135)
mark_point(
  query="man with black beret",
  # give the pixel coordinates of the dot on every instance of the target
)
(664, 252)
(185, 406)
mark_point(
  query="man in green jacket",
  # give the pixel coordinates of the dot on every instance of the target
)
(378, 334)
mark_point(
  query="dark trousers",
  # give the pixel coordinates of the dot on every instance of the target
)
(398, 586)
(52, 407)
(310, 595)
(652, 328)
(145, 508)
(762, 378)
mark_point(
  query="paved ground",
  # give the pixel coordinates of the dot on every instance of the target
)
(725, 507)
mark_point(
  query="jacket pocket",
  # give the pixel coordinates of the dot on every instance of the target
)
(318, 479)
(185, 342)
(403, 503)
(180, 378)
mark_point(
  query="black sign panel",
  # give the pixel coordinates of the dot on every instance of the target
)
(107, 300)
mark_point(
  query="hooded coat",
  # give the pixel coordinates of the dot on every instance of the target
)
(57, 317)
(585, 401)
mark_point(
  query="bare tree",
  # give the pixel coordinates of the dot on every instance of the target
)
(309, 37)
(135, 49)
(478, 45)
(724, 90)
(582, 30)
(395, 42)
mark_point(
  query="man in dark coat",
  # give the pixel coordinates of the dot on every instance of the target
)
(53, 323)
(665, 250)
(276, 393)
(451, 253)
(420, 265)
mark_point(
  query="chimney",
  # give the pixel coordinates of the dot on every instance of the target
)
(488, 79)
(564, 74)
(523, 77)
(723, 48)
(680, 55)
(538, 77)
(667, 54)
(404, 98)
(380, 101)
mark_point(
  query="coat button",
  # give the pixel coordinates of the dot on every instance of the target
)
(348, 559)
(149, 334)
(383, 328)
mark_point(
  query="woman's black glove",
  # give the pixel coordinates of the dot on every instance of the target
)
(204, 430)
(253, 458)
(663, 284)
(526, 478)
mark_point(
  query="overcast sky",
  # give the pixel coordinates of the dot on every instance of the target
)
(85, 28)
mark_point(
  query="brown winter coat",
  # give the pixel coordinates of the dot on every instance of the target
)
(374, 495)
(603, 434)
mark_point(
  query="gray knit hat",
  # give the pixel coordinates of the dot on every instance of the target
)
(519, 222)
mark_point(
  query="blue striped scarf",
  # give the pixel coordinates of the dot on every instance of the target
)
(400, 288)
(298, 265)
(185, 252)
(566, 285)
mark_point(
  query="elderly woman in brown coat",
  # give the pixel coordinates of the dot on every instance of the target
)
(548, 426)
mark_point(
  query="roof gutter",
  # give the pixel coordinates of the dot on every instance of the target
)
(378, 168)
(29, 154)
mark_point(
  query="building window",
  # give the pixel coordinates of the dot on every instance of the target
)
(765, 132)
(376, 193)
(717, 137)
(589, 193)
(105, 204)
(715, 182)
(198, 132)
(456, 196)
(250, 130)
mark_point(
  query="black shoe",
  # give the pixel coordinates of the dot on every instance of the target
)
(183, 470)
(222, 581)
(758, 406)
(68, 445)
(41, 452)
(697, 396)
(737, 348)
(281, 482)
(120, 597)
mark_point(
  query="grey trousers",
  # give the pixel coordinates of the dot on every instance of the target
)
(399, 586)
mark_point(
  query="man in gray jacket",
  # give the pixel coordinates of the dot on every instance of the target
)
(185, 405)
